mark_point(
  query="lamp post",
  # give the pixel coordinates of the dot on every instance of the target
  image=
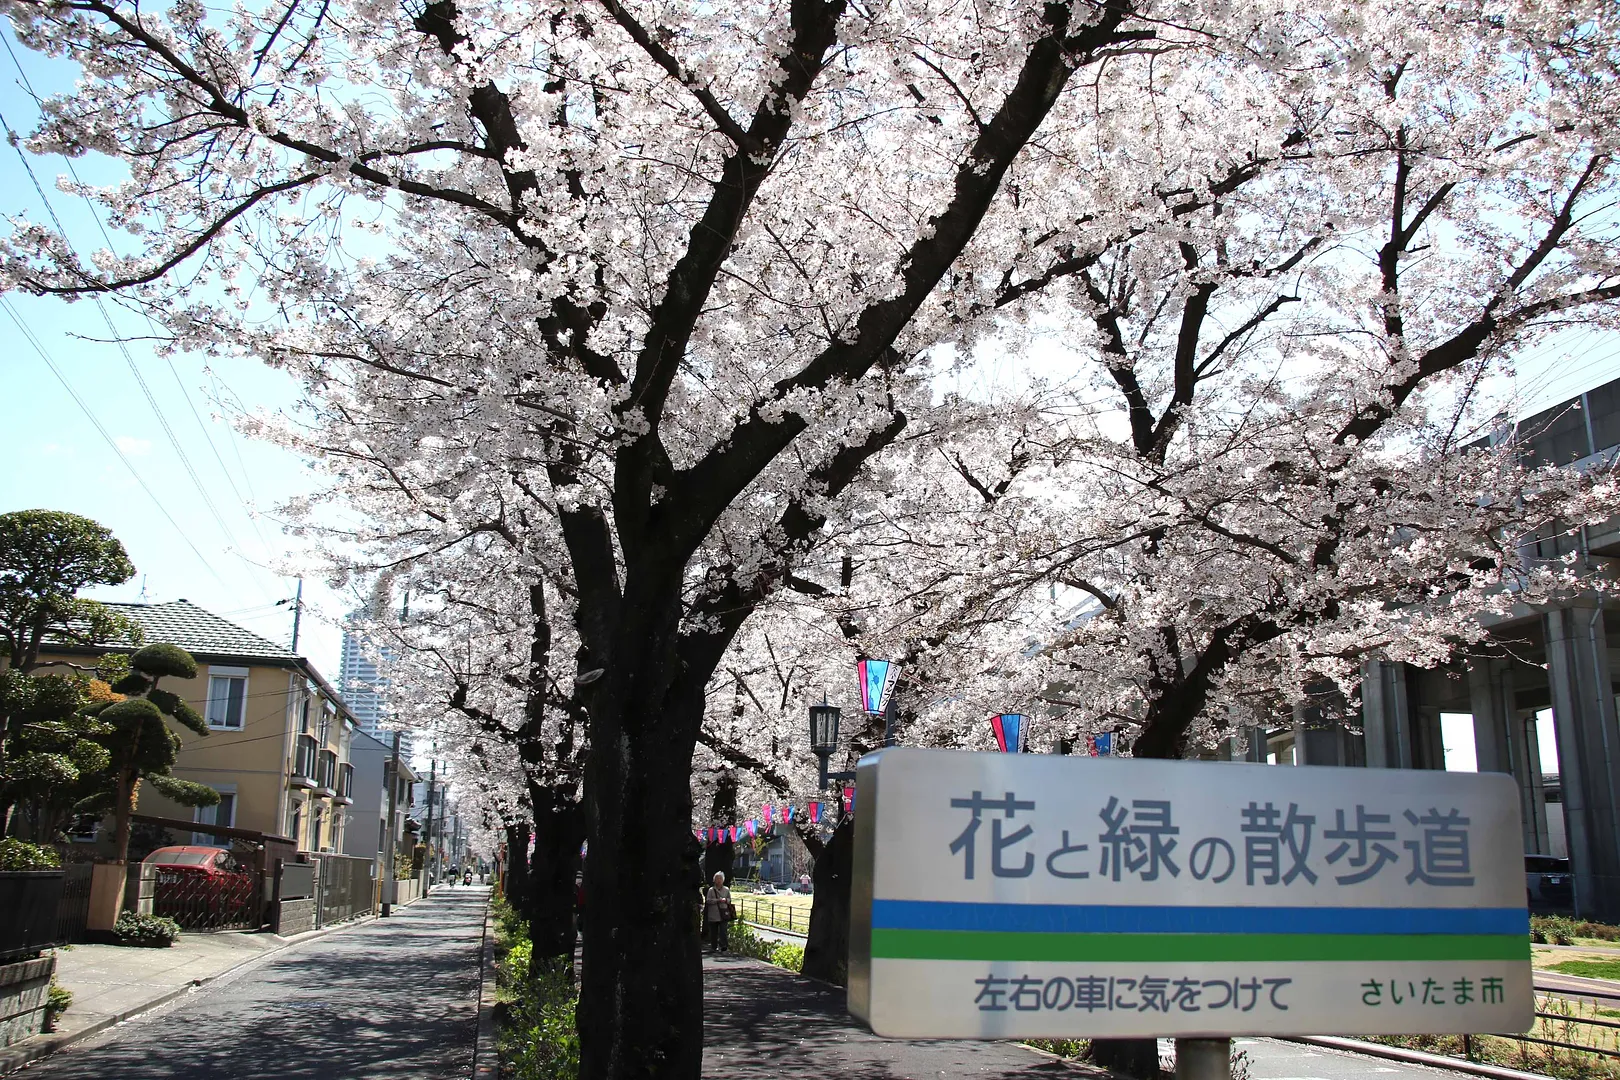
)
(824, 740)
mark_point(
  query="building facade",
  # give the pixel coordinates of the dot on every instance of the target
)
(375, 769)
(364, 681)
(279, 735)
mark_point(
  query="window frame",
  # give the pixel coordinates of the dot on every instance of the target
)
(209, 839)
(226, 674)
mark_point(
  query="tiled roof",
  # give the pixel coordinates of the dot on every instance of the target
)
(200, 632)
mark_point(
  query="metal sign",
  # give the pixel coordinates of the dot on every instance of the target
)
(1018, 895)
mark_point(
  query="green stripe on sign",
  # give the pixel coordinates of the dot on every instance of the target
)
(1192, 948)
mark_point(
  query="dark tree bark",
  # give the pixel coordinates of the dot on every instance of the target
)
(559, 830)
(516, 886)
(719, 858)
(826, 951)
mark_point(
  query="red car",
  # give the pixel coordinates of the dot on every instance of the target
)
(199, 886)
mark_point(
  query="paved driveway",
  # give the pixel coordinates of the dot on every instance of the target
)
(394, 999)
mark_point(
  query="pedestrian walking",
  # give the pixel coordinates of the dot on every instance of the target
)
(717, 912)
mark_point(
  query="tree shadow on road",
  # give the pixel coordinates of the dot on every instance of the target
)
(394, 999)
(763, 1023)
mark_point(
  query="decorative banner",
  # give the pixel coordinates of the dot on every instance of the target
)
(1100, 745)
(815, 813)
(787, 814)
(1009, 730)
(767, 816)
(877, 679)
(849, 799)
(1015, 896)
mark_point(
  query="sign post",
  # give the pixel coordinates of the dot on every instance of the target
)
(1001, 896)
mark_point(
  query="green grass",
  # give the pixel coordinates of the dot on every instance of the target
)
(1591, 969)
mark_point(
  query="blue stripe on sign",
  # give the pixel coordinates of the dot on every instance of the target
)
(1115, 919)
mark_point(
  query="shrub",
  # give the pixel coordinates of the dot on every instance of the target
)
(146, 931)
(57, 1000)
(20, 855)
(538, 1039)
(744, 942)
(788, 956)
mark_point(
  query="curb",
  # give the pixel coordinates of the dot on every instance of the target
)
(1414, 1057)
(33, 1049)
(486, 1061)
(774, 929)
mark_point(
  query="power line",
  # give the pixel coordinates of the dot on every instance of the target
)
(39, 347)
(129, 360)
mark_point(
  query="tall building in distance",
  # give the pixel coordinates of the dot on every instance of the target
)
(362, 685)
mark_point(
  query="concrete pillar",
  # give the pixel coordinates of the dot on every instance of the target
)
(1428, 740)
(1321, 738)
(1505, 742)
(1537, 840)
(1386, 715)
(1588, 755)
(107, 883)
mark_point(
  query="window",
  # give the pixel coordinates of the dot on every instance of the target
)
(295, 820)
(221, 813)
(227, 697)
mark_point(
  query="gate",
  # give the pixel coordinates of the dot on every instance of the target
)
(344, 888)
(73, 913)
(216, 901)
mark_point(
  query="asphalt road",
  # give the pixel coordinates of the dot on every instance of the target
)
(393, 999)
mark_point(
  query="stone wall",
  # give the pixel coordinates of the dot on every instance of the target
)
(289, 917)
(22, 997)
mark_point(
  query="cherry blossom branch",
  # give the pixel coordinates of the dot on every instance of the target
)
(661, 56)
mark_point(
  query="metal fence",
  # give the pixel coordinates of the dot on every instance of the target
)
(344, 888)
(794, 918)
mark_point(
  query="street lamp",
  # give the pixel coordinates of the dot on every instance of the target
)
(824, 740)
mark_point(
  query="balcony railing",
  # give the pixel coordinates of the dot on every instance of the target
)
(345, 786)
(326, 774)
(305, 762)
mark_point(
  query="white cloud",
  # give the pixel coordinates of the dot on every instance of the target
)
(132, 446)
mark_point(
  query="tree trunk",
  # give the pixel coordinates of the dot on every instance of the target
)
(719, 858)
(641, 996)
(559, 828)
(826, 950)
(516, 884)
(121, 811)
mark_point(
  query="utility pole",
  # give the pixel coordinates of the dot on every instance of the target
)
(390, 883)
(427, 833)
(298, 612)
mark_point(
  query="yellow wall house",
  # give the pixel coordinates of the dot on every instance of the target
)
(277, 750)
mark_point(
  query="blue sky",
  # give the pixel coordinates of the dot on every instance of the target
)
(235, 563)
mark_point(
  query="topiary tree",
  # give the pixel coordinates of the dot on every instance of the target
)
(46, 558)
(56, 762)
(139, 742)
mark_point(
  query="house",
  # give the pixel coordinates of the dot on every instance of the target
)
(366, 833)
(279, 736)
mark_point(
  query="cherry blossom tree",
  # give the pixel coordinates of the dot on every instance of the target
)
(676, 277)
